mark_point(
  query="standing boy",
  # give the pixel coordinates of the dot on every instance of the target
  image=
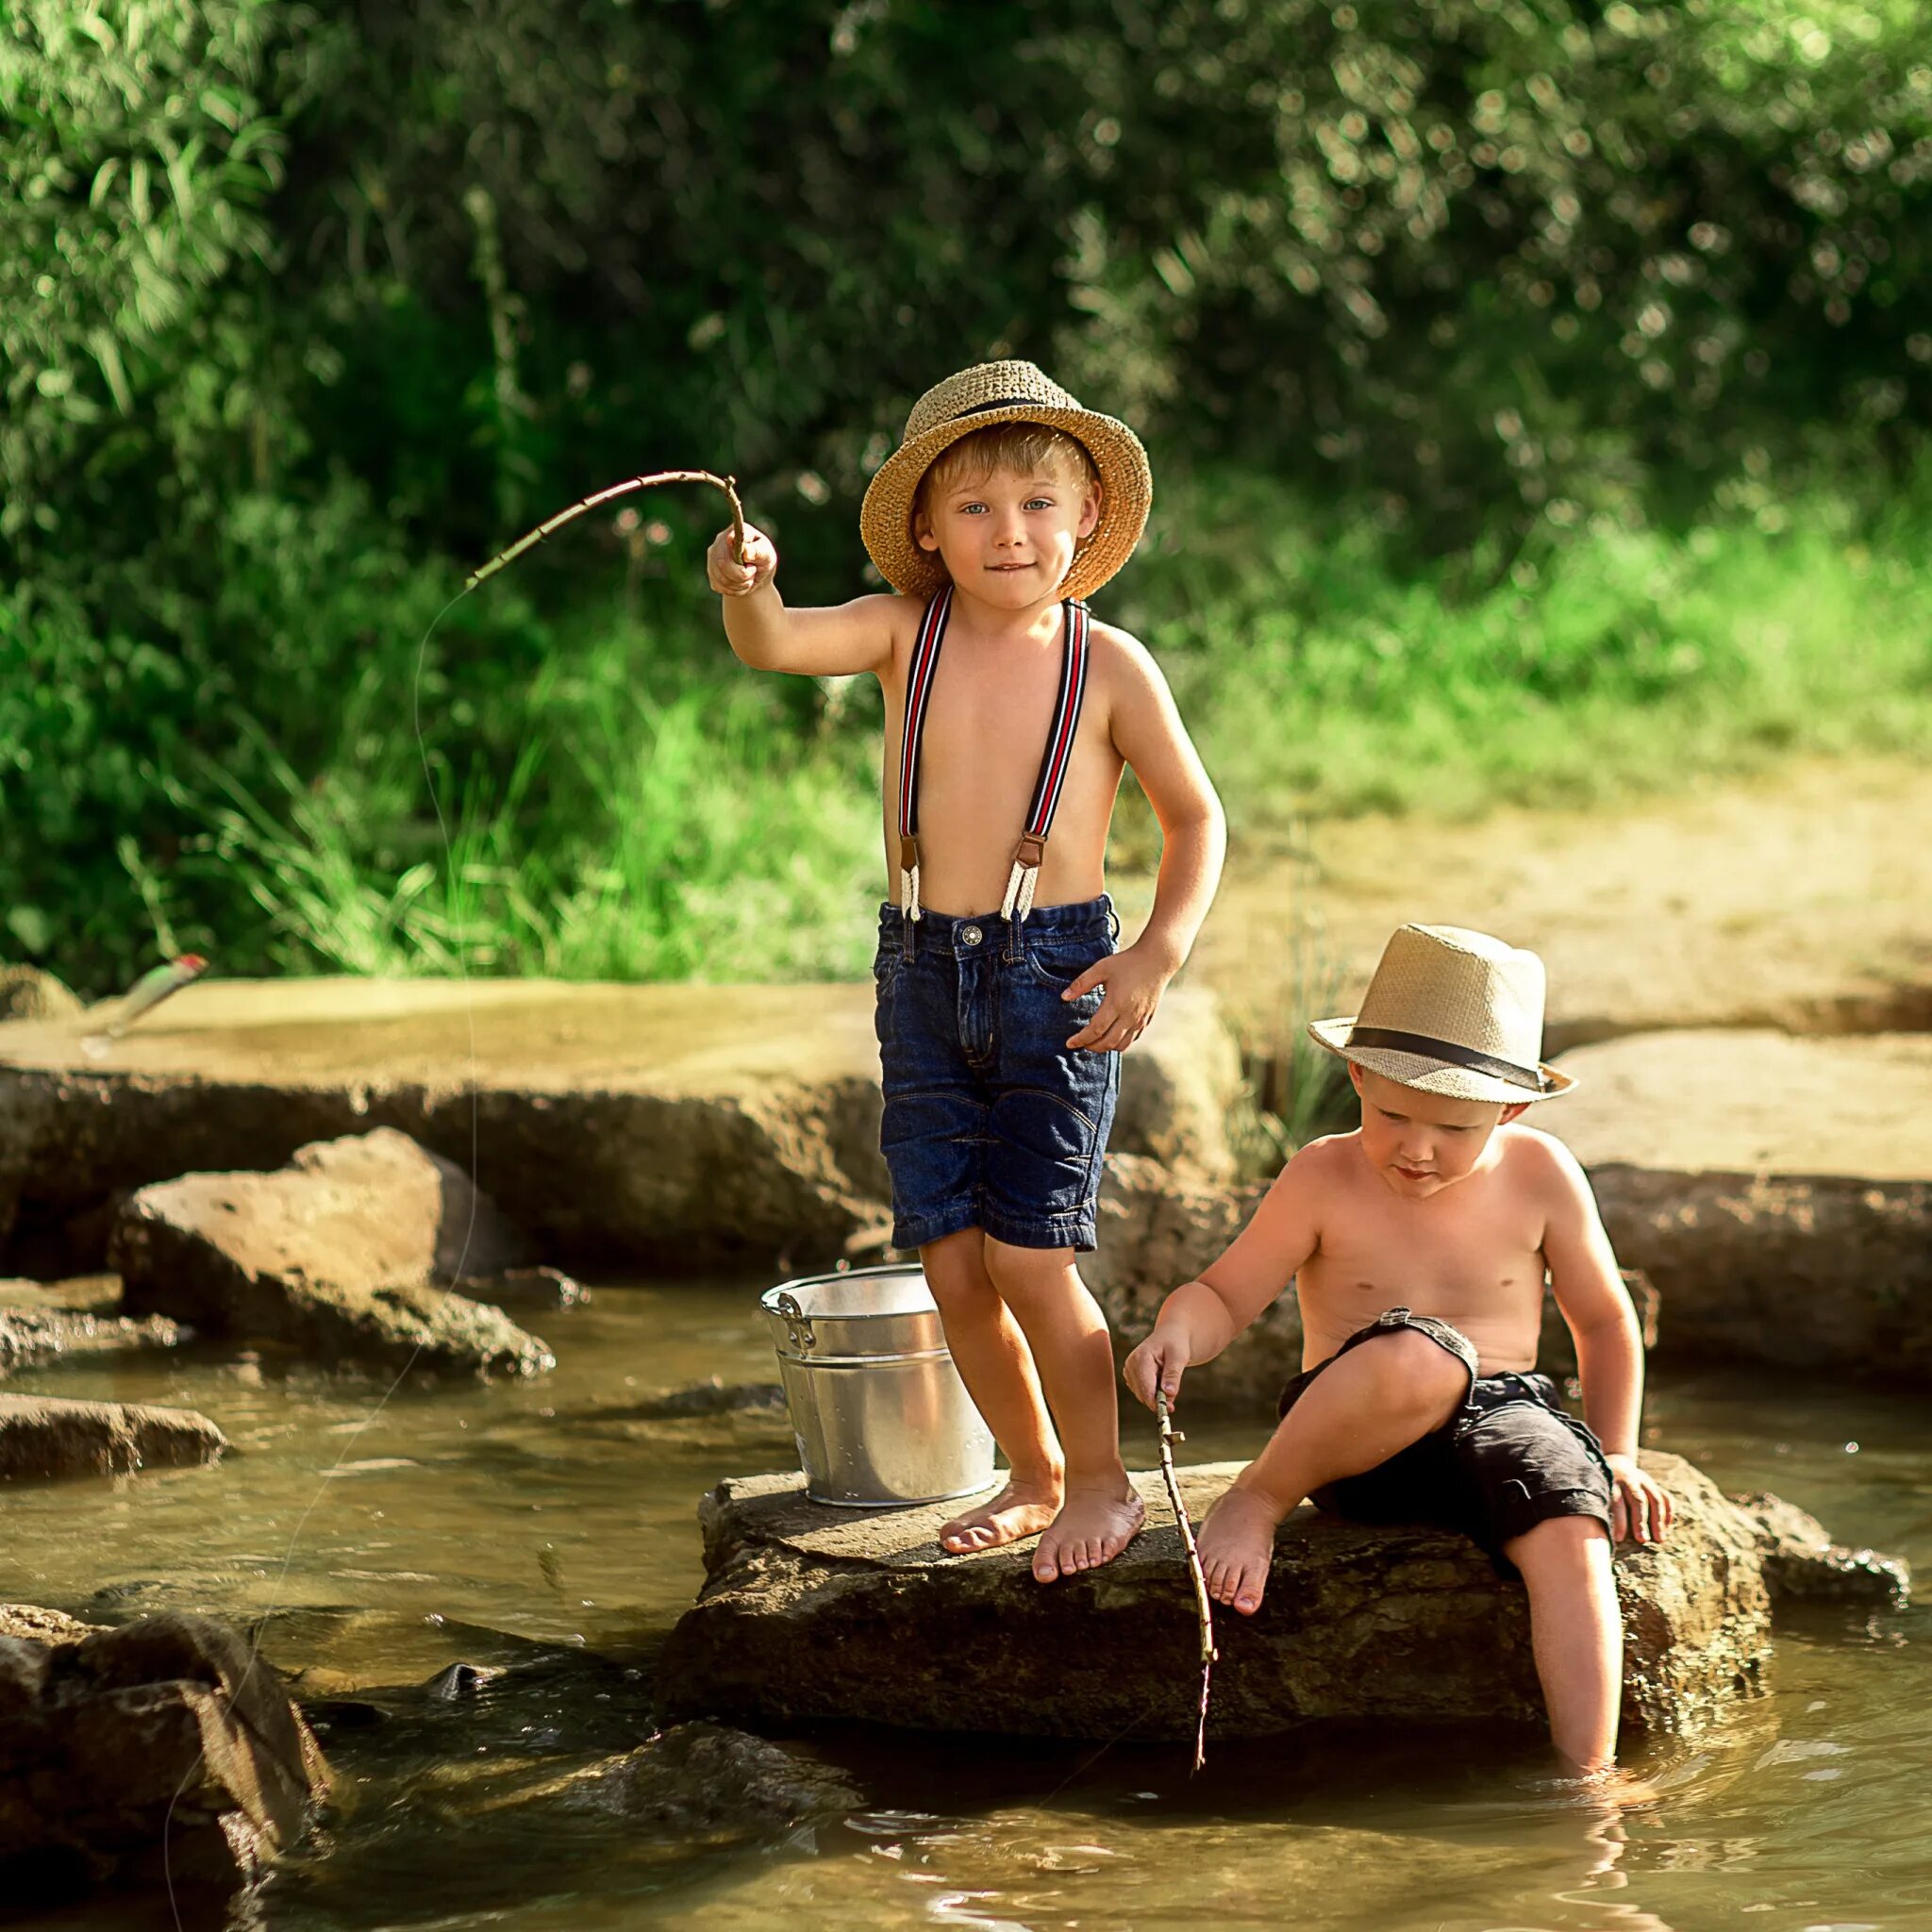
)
(1003, 1007)
(1419, 1246)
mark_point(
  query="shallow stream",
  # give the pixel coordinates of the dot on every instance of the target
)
(541, 1528)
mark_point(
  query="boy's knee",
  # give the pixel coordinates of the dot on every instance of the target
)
(1021, 1273)
(1412, 1370)
(955, 1269)
(1559, 1545)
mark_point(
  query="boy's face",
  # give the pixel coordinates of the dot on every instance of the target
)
(1008, 537)
(1420, 1143)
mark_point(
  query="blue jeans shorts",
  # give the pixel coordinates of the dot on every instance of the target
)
(990, 1121)
(1506, 1461)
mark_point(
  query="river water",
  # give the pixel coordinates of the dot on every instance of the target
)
(543, 1530)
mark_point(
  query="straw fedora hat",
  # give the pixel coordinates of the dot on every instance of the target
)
(976, 399)
(1450, 1011)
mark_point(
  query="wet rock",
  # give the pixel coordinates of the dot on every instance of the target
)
(526, 1289)
(1786, 1216)
(110, 1738)
(672, 1125)
(1802, 1564)
(42, 1436)
(802, 1605)
(336, 1256)
(28, 994)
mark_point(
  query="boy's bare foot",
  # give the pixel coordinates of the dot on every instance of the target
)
(1093, 1528)
(1020, 1509)
(1237, 1543)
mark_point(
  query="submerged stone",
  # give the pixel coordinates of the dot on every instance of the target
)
(339, 1254)
(816, 1614)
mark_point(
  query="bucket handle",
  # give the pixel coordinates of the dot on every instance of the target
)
(798, 1328)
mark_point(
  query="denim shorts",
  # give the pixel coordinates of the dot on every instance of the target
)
(1507, 1460)
(990, 1121)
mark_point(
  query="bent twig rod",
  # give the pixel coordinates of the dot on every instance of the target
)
(1168, 1437)
(727, 484)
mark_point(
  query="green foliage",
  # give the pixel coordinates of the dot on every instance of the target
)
(1526, 380)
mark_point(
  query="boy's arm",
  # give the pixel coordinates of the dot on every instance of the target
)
(1201, 1317)
(1593, 1300)
(1149, 735)
(832, 641)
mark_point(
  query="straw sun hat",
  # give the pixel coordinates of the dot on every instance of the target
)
(1454, 1012)
(976, 399)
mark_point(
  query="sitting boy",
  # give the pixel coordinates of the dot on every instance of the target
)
(1006, 504)
(1419, 1245)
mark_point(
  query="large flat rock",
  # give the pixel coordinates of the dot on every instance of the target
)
(665, 1125)
(1778, 1190)
(816, 1614)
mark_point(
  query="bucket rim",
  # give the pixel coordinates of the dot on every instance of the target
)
(768, 1298)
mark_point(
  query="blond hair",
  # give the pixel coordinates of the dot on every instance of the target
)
(1010, 448)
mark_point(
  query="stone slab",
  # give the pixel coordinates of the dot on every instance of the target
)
(1777, 1190)
(664, 1125)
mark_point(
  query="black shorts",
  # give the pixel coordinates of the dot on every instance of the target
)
(1507, 1460)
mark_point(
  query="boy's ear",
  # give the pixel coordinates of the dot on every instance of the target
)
(1355, 1075)
(1512, 1112)
(922, 532)
(1090, 512)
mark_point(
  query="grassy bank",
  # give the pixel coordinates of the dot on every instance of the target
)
(617, 798)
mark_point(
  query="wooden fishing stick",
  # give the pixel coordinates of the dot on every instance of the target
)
(1168, 1437)
(727, 484)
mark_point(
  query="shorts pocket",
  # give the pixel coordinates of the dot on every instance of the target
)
(1057, 964)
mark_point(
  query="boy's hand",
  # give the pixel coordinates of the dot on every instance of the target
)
(1134, 981)
(1156, 1364)
(729, 577)
(1639, 1509)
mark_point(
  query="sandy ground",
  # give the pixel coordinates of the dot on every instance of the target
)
(1803, 903)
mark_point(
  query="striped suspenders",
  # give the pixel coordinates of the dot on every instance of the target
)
(1031, 850)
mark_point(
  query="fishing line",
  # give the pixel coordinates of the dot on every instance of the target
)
(730, 486)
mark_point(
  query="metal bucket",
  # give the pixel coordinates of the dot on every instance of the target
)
(879, 1412)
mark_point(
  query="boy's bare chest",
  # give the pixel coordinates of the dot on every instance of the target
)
(1478, 1266)
(988, 725)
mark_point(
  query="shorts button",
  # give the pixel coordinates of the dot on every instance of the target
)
(970, 934)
